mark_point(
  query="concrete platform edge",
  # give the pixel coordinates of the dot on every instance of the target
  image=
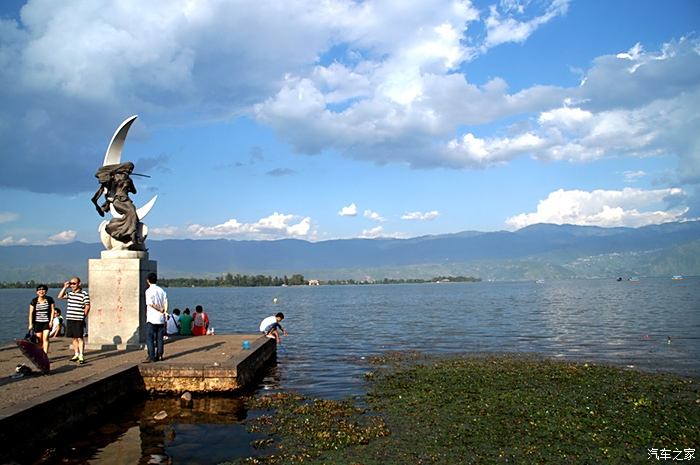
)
(72, 405)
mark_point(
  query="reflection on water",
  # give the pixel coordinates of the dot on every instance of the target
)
(334, 329)
(211, 432)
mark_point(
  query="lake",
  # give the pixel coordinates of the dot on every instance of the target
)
(333, 329)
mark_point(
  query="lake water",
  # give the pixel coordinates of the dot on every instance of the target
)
(333, 329)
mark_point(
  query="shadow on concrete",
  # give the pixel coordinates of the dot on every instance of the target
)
(191, 351)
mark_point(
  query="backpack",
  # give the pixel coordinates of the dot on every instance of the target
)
(199, 319)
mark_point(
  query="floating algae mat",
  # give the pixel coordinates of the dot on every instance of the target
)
(485, 409)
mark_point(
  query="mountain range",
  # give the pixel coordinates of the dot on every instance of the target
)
(541, 251)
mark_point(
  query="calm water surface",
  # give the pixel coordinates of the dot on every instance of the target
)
(334, 328)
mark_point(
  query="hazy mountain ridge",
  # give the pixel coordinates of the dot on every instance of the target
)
(542, 251)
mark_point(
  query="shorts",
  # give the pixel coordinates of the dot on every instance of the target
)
(75, 328)
(40, 326)
(268, 329)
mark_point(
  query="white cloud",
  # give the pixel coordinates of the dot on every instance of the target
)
(606, 208)
(472, 151)
(615, 112)
(9, 240)
(633, 176)
(166, 231)
(63, 236)
(397, 95)
(275, 226)
(350, 210)
(500, 29)
(103, 59)
(372, 233)
(656, 118)
(374, 216)
(342, 83)
(7, 217)
(421, 216)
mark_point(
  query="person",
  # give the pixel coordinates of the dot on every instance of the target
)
(42, 311)
(200, 322)
(173, 325)
(186, 323)
(77, 309)
(58, 328)
(156, 309)
(271, 326)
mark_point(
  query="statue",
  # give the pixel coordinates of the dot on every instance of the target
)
(124, 231)
(116, 185)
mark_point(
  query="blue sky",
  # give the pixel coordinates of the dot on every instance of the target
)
(342, 119)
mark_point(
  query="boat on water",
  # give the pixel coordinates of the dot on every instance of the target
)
(633, 279)
(540, 281)
(676, 277)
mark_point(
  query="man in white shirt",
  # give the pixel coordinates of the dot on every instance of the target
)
(156, 309)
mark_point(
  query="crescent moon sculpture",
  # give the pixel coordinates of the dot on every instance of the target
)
(137, 229)
(116, 145)
(113, 156)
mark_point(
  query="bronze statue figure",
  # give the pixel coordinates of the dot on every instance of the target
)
(116, 185)
(125, 231)
(107, 186)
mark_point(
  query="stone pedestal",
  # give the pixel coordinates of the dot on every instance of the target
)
(117, 299)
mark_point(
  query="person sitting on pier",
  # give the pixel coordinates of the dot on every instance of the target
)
(57, 329)
(173, 325)
(186, 323)
(271, 327)
(200, 323)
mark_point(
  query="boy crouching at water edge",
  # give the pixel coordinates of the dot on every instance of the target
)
(271, 327)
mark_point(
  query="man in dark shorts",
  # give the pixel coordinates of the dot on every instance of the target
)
(77, 309)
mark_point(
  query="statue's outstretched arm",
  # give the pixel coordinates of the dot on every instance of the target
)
(96, 197)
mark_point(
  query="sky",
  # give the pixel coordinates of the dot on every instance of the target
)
(350, 119)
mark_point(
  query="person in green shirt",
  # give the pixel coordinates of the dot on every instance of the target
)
(186, 323)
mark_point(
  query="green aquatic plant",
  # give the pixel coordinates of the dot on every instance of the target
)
(487, 409)
(301, 429)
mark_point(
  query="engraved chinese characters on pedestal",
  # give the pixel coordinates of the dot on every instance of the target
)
(124, 231)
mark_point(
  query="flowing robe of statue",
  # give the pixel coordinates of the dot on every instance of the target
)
(123, 228)
(116, 185)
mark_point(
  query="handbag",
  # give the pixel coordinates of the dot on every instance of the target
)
(31, 336)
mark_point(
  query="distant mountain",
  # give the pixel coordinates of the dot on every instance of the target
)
(541, 251)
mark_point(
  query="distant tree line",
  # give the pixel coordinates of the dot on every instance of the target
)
(440, 279)
(29, 285)
(239, 280)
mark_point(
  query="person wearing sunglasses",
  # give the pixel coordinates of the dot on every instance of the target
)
(77, 309)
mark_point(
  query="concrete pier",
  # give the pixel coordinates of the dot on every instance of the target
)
(72, 393)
